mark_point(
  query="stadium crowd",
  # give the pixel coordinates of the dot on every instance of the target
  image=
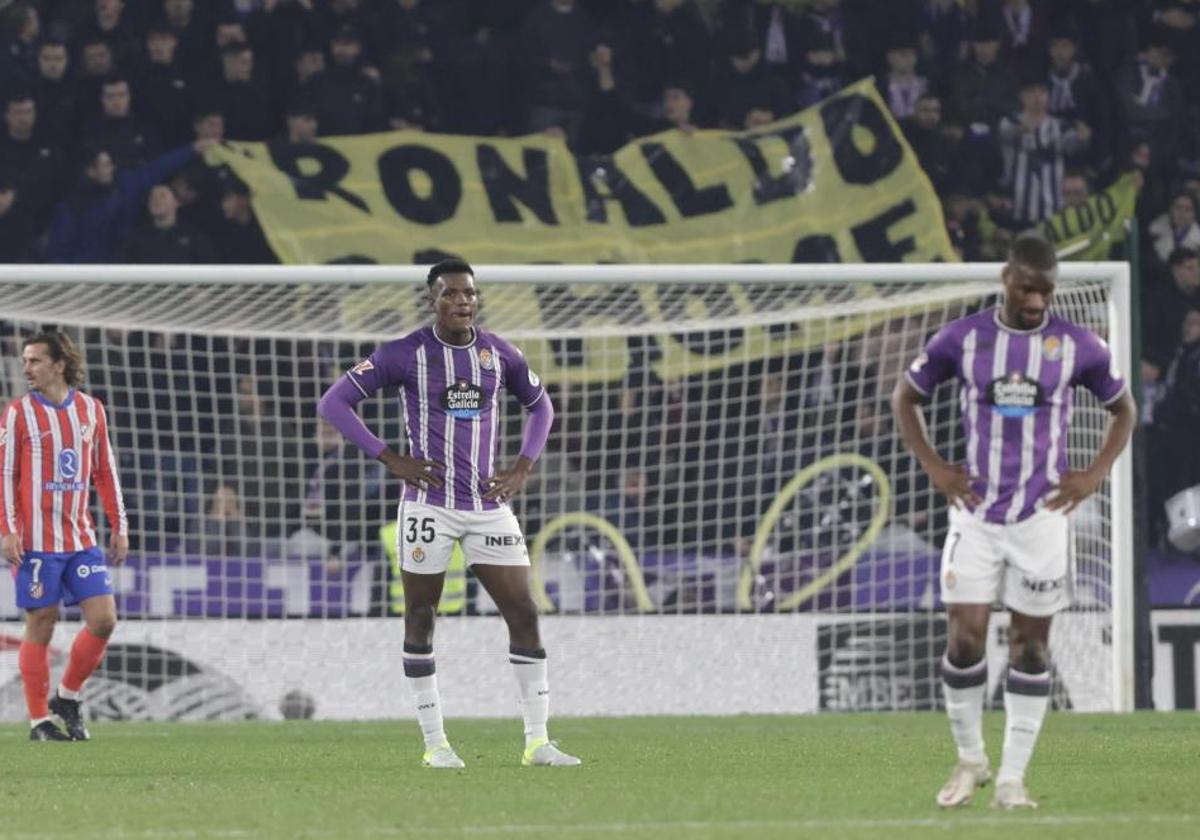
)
(1015, 109)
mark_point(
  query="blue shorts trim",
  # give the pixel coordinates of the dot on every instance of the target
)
(46, 578)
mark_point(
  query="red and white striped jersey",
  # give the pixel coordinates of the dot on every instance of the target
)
(48, 455)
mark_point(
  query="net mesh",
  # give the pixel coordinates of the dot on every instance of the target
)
(719, 447)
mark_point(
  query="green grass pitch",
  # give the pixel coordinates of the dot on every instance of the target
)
(829, 776)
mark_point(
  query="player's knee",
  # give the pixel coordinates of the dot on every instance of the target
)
(1030, 656)
(103, 627)
(522, 619)
(966, 648)
(418, 623)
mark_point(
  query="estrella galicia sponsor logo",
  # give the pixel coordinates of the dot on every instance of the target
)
(1015, 395)
(463, 400)
(1043, 585)
(68, 463)
(503, 540)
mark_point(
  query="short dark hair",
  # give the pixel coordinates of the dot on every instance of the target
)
(61, 349)
(115, 79)
(1180, 255)
(1033, 250)
(236, 48)
(451, 265)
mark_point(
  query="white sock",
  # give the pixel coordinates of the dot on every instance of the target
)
(421, 672)
(33, 724)
(67, 694)
(1026, 697)
(530, 669)
(964, 690)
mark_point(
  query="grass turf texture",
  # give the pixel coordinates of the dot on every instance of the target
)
(865, 775)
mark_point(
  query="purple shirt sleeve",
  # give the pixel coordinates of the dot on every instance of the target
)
(519, 379)
(337, 406)
(937, 362)
(1096, 369)
(537, 427)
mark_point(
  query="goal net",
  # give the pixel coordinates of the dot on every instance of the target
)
(724, 479)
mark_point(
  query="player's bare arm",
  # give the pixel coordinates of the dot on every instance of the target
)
(12, 549)
(118, 548)
(952, 480)
(1077, 485)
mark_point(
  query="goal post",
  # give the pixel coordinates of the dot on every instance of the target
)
(723, 483)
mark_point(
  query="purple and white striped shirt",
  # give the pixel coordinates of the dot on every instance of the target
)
(450, 398)
(1015, 391)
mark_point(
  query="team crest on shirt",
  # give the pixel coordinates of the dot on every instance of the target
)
(362, 367)
(87, 431)
(1052, 348)
(485, 359)
(418, 555)
(1016, 395)
(463, 400)
(36, 590)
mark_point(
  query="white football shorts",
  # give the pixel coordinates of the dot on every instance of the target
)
(426, 537)
(1025, 565)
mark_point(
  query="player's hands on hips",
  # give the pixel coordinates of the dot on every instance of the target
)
(504, 484)
(118, 548)
(12, 549)
(418, 472)
(1072, 489)
(954, 482)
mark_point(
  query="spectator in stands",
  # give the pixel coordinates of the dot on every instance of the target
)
(901, 86)
(96, 64)
(743, 84)
(1024, 26)
(984, 90)
(195, 50)
(1076, 189)
(348, 96)
(936, 149)
(821, 73)
(33, 164)
(302, 125)
(667, 41)
(20, 27)
(610, 123)
(1076, 95)
(108, 22)
(1178, 416)
(17, 239)
(239, 239)
(822, 24)
(163, 91)
(164, 238)
(556, 39)
(943, 31)
(343, 498)
(1177, 227)
(1150, 101)
(1165, 306)
(90, 224)
(129, 140)
(224, 530)
(245, 96)
(412, 99)
(54, 89)
(410, 26)
(1034, 146)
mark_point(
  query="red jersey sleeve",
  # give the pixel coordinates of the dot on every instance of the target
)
(108, 485)
(10, 466)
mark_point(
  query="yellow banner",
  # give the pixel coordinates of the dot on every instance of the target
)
(833, 183)
(1089, 231)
